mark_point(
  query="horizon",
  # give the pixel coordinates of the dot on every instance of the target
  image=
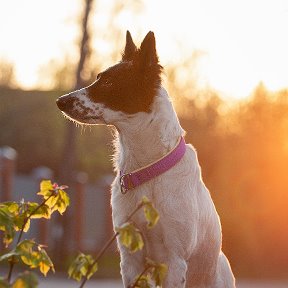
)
(239, 44)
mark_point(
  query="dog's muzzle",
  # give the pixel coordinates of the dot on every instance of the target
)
(65, 102)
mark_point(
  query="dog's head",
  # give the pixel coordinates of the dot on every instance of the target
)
(124, 89)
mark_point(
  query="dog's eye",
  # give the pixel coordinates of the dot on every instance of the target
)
(107, 82)
(98, 76)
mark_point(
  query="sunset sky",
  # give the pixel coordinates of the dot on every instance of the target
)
(243, 41)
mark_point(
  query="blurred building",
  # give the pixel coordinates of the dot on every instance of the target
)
(89, 213)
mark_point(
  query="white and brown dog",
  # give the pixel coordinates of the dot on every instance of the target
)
(152, 159)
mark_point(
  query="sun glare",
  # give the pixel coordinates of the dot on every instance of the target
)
(35, 32)
(243, 42)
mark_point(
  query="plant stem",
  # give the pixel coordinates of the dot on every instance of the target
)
(139, 206)
(103, 250)
(29, 217)
(13, 261)
(99, 255)
(139, 277)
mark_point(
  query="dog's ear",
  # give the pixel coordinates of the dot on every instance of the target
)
(147, 52)
(130, 48)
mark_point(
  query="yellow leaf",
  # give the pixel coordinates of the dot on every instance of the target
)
(27, 226)
(25, 280)
(46, 189)
(13, 207)
(19, 283)
(46, 185)
(80, 266)
(159, 271)
(151, 214)
(130, 237)
(93, 271)
(44, 268)
(26, 260)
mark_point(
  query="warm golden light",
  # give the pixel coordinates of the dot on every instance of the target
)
(243, 42)
(210, 49)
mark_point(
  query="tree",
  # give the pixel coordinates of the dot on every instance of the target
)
(7, 74)
(69, 156)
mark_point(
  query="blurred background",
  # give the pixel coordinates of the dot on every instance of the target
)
(226, 70)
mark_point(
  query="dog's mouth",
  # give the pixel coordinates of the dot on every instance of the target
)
(87, 118)
(84, 119)
(96, 119)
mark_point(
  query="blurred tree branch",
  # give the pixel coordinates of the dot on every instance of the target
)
(69, 156)
(69, 152)
(7, 74)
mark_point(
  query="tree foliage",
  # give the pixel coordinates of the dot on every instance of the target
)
(32, 124)
(243, 153)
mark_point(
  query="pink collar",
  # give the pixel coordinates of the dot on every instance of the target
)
(132, 180)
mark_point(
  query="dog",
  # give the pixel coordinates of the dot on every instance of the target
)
(152, 159)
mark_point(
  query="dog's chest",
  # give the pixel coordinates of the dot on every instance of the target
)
(124, 204)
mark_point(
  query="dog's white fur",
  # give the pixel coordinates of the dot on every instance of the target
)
(188, 235)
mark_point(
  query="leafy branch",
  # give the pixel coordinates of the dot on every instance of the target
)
(26, 220)
(152, 271)
(16, 217)
(130, 237)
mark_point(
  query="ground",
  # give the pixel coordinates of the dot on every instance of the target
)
(64, 283)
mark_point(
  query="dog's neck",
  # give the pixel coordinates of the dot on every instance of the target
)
(146, 138)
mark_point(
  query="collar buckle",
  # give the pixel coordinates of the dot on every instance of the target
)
(126, 179)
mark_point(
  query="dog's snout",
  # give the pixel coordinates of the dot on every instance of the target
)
(65, 102)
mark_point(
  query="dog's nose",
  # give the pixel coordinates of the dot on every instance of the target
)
(65, 102)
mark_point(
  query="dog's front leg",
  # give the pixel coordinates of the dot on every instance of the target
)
(177, 270)
(131, 265)
(170, 255)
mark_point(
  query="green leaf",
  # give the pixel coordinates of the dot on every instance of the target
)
(34, 256)
(74, 270)
(130, 237)
(63, 201)
(143, 282)
(26, 246)
(17, 215)
(158, 271)
(37, 211)
(151, 214)
(159, 274)
(13, 216)
(80, 267)
(19, 222)
(57, 198)
(26, 280)
(7, 224)
(12, 207)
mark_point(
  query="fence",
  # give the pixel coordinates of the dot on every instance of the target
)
(88, 217)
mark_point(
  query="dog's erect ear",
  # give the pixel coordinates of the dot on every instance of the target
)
(130, 48)
(147, 51)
